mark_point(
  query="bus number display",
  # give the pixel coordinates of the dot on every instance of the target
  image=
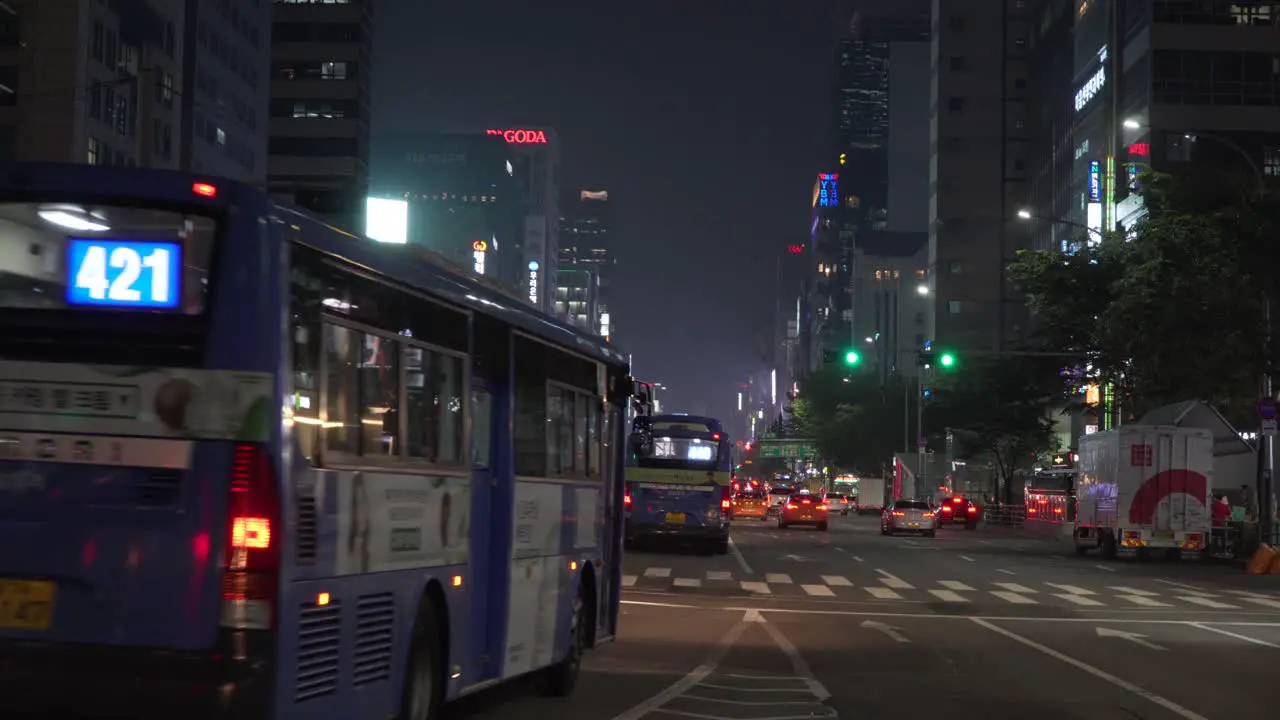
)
(124, 274)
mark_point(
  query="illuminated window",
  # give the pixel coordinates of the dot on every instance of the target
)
(920, 273)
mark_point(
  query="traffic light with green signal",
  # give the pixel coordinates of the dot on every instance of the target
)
(946, 359)
(852, 358)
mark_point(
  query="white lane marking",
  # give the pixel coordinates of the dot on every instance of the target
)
(657, 572)
(1079, 599)
(893, 581)
(1144, 601)
(818, 590)
(1125, 685)
(742, 561)
(987, 542)
(798, 665)
(1263, 602)
(1015, 587)
(687, 582)
(954, 585)
(780, 578)
(1133, 637)
(858, 559)
(1200, 591)
(756, 587)
(1013, 597)
(1108, 568)
(1133, 591)
(836, 580)
(628, 580)
(1072, 589)
(1006, 572)
(1248, 593)
(687, 682)
(948, 596)
(889, 631)
(966, 557)
(883, 593)
(719, 575)
(1237, 636)
(1206, 602)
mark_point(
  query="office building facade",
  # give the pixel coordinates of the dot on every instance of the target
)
(463, 201)
(586, 246)
(321, 78)
(536, 162)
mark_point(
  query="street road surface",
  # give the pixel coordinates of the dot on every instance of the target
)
(970, 624)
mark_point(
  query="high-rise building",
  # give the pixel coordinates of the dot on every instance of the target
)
(154, 83)
(320, 89)
(585, 247)
(226, 97)
(977, 171)
(463, 201)
(536, 161)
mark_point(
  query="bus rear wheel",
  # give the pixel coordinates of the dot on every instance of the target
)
(560, 679)
(423, 686)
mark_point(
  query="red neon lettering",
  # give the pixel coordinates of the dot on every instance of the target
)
(521, 137)
(1143, 149)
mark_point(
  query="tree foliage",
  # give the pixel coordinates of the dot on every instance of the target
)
(857, 422)
(998, 407)
(1172, 311)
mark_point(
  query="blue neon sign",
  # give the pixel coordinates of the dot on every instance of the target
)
(124, 274)
(828, 190)
(1095, 181)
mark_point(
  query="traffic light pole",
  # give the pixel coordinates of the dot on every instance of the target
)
(920, 447)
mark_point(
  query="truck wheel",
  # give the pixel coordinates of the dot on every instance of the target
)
(424, 681)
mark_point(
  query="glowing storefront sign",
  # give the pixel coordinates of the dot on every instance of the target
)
(1095, 181)
(521, 137)
(828, 190)
(1091, 88)
(533, 281)
(478, 249)
(604, 324)
(1141, 149)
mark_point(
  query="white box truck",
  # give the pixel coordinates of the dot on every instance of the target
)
(1144, 487)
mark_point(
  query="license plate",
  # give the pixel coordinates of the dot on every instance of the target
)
(1163, 534)
(915, 525)
(26, 604)
(675, 518)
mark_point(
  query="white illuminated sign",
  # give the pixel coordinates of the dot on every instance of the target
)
(604, 324)
(387, 220)
(533, 281)
(478, 249)
(1091, 88)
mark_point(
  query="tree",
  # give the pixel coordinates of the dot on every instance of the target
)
(856, 421)
(1171, 311)
(999, 407)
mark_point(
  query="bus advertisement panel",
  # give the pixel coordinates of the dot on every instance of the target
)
(680, 481)
(256, 467)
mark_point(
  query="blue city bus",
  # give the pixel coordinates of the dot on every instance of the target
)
(252, 466)
(679, 481)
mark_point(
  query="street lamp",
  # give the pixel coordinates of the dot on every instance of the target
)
(922, 289)
(1025, 214)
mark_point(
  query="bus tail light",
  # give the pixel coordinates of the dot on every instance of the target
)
(252, 563)
(726, 497)
(626, 497)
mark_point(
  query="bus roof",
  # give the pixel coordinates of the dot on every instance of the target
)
(711, 424)
(424, 269)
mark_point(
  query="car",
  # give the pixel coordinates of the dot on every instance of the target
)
(840, 503)
(778, 495)
(909, 516)
(804, 508)
(958, 510)
(751, 502)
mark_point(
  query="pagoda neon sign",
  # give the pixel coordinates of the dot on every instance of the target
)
(521, 137)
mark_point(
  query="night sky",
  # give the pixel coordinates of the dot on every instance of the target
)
(706, 120)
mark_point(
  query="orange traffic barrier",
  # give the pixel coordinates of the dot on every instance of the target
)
(1260, 563)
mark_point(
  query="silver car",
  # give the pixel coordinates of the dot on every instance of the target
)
(838, 503)
(909, 516)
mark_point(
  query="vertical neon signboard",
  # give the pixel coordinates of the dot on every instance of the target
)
(828, 190)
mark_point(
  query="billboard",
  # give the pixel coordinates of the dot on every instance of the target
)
(387, 220)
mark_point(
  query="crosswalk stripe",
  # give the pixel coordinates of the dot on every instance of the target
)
(719, 575)
(1133, 591)
(1078, 599)
(836, 580)
(819, 590)
(948, 596)
(1071, 589)
(628, 580)
(1206, 602)
(1265, 602)
(1143, 600)
(883, 593)
(657, 572)
(780, 578)
(688, 582)
(896, 583)
(756, 587)
(1014, 597)
(954, 585)
(1015, 587)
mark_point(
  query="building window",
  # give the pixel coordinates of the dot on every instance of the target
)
(93, 154)
(954, 306)
(1271, 160)
(955, 104)
(333, 71)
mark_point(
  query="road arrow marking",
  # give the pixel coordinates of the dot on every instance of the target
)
(888, 630)
(795, 558)
(753, 616)
(1132, 637)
